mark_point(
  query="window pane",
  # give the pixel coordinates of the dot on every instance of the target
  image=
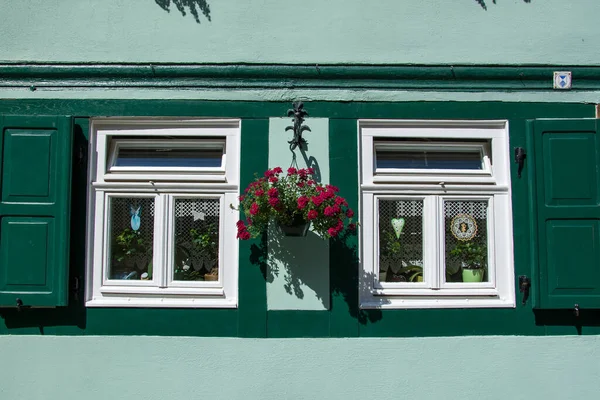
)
(196, 240)
(401, 240)
(429, 159)
(168, 157)
(131, 238)
(466, 241)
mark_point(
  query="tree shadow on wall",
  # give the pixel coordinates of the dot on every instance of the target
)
(484, 5)
(195, 7)
(299, 260)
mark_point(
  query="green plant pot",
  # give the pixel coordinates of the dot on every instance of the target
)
(472, 275)
(298, 228)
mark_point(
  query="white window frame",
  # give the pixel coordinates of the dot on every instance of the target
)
(433, 187)
(165, 186)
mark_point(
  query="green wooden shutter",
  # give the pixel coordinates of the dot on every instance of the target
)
(34, 210)
(567, 158)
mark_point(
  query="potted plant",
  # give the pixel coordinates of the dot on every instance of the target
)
(294, 202)
(473, 257)
(201, 244)
(206, 243)
(129, 246)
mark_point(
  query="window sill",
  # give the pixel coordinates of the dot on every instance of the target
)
(162, 302)
(380, 302)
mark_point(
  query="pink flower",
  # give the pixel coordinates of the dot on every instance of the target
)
(273, 201)
(277, 170)
(292, 171)
(332, 232)
(273, 192)
(334, 188)
(240, 225)
(302, 202)
(311, 182)
(259, 192)
(311, 171)
(273, 179)
(300, 184)
(317, 200)
(254, 209)
(349, 213)
(312, 214)
(269, 173)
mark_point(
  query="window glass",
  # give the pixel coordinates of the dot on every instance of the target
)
(131, 238)
(466, 241)
(168, 157)
(196, 255)
(401, 240)
(429, 159)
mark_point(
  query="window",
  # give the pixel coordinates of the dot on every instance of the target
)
(161, 232)
(436, 214)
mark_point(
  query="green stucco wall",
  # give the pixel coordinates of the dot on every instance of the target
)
(152, 368)
(313, 31)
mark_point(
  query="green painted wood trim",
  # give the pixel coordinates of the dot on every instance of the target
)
(252, 299)
(317, 109)
(77, 320)
(343, 255)
(277, 76)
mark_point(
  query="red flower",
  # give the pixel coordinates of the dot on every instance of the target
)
(292, 171)
(277, 170)
(273, 201)
(311, 171)
(311, 182)
(273, 192)
(269, 173)
(317, 200)
(329, 211)
(328, 194)
(334, 188)
(332, 232)
(302, 202)
(273, 179)
(312, 214)
(352, 226)
(244, 235)
(349, 213)
(240, 225)
(300, 184)
(259, 192)
(254, 209)
(303, 173)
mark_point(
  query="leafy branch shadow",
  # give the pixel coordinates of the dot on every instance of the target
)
(195, 7)
(346, 279)
(484, 5)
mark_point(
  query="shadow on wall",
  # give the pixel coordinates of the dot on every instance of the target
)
(484, 6)
(195, 7)
(344, 279)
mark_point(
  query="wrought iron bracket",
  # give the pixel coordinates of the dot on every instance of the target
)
(299, 114)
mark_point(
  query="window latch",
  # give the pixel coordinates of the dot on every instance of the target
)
(519, 159)
(524, 286)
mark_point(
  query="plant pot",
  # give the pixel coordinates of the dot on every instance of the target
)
(473, 275)
(299, 227)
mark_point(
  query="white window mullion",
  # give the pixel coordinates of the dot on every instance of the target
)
(161, 240)
(430, 259)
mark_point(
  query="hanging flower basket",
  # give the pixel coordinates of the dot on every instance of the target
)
(294, 202)
(299, 227)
